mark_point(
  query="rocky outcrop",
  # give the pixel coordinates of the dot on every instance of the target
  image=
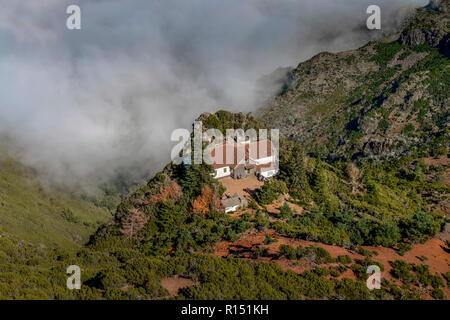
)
(417, 36)
(443, 5)
(367, 125)
(376, 102)
(444, 45)
(430, 26)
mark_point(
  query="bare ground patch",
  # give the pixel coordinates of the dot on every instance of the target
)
(243, 187)
(175, 283)
(435, 251)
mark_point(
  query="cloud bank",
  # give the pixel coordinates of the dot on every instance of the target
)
(85, 105)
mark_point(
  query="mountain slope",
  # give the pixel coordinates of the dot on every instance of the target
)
(382, 100)
(40, 214)
(334, 105)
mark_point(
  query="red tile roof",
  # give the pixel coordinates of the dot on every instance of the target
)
(265, 167)
(259, 149)
(230, 155)
(227, 155)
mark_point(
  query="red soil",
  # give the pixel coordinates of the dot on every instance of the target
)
(437, 258)
(274, 208)
(434, 249)
(441, 161)
(175, 283)
(239, 186)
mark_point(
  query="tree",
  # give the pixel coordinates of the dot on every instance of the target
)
(173, 190)
(292, 169)
(132, 223)
(422, 226)
(271, 191)
(319, 181)
(288, 251)
(286, 211)
(268, 239)
(402, 270)
(171, 217)
(352, 173)
(345, 259)
(205, 202)
(386, 234)
(193, 177)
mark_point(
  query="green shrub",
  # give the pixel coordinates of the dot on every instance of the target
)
(261, 252)
(402, 270)
(286, 211)
(110, 280)
(268, 239)
(69, 216)
(365, 252)
(386, 52)
(288, 251)
(370, 262)
(447, 278)
(314, 254)
(322, 272)
(231, 235)
(436, 281)
(359, 271)
(271, 191)
(403, 248)
(422, 226)
(438, 294)
(335, 272)
(342, 268)
(344, 259)
(408, 128)
(351, 290)
(253, 204)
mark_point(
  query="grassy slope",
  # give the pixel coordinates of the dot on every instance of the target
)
(33, 212)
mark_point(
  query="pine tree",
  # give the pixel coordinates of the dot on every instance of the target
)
(293, 171)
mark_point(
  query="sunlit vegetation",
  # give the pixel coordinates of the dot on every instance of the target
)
(42, 214)
(353, 191)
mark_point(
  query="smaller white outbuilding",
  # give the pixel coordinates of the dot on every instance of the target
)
(234, 203)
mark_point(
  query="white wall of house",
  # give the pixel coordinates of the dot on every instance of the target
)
(231, 209)
(222, 172)
(269, 173)
(262, 160)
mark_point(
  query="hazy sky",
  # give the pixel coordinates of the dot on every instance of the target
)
(85, 104)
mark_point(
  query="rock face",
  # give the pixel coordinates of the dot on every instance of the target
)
(416, 37)
(382, 100)
(445, 46)
(367, 125)
(443, 5)
(430, 26)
